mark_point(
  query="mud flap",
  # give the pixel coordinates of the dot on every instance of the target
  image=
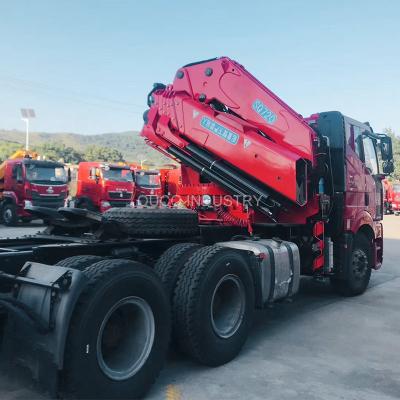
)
(39, 310)
(342, 250)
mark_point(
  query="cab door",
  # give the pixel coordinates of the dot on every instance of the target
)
(355, 182)
(373, 181)
(18, 182)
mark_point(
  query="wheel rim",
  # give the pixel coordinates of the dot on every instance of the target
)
(125, 338)
(227, 306)
(360, 264)
(7, 216)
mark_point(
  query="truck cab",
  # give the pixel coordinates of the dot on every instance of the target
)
(148, 188)
(29, 182)
(354, 181)
(101, 186)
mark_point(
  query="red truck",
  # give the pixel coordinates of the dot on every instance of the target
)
(396, 198)
(101, 186)
(270, 196)
(387, 196)
(26, 182)
(148, 188)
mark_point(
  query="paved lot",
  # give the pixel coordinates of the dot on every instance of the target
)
(320, 347)
(21, 229)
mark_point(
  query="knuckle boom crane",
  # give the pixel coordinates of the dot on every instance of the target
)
(234, 137)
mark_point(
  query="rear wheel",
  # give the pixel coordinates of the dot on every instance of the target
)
(170, 264)
(359, 271)
(79, 262)
(119, 332)
(85, 204)
(213, 305)
(9, 214)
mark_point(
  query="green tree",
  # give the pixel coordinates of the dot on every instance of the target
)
(59, 152)
(106, 154)
(396, 152)
(7, 149)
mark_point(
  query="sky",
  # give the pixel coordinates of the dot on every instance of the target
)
(87, 66)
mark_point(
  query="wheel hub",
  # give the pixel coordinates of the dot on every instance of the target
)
(360, 264)
(7, 216)
(228, 306)
(125, 338)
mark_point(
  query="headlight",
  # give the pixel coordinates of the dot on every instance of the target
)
(206, 200)
(27, 203)
(105, 204)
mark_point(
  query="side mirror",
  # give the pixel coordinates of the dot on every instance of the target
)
(388, 167)
(385, 144)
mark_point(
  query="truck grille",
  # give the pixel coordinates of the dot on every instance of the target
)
(56, 201)
(119, 203)
(117, 195)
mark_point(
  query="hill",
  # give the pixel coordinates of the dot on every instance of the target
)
(129, 143)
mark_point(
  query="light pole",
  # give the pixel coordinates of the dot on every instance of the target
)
(27, 114)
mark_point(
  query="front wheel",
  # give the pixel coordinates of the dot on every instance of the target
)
(359, 271)
(9, 214)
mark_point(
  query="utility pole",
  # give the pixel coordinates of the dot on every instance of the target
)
(27, 114)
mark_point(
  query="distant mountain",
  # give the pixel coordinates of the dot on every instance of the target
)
(129, 143)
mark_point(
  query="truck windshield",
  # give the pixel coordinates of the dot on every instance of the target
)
(117, 175)
(42, 174)
(396, 188)
(148, 180)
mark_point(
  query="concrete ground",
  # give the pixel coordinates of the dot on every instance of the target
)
(321, 346)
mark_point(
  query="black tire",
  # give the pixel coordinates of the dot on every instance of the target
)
(92, 353)
(9, 214)
(210, 331)
(359, 272)
(170, 264)
(85, 204)
(155, 222)
(79, 262)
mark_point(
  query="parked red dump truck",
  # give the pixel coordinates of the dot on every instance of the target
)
(270, 196)
(27, 181)
(101, 186)
(396, 198)
(387, 196)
